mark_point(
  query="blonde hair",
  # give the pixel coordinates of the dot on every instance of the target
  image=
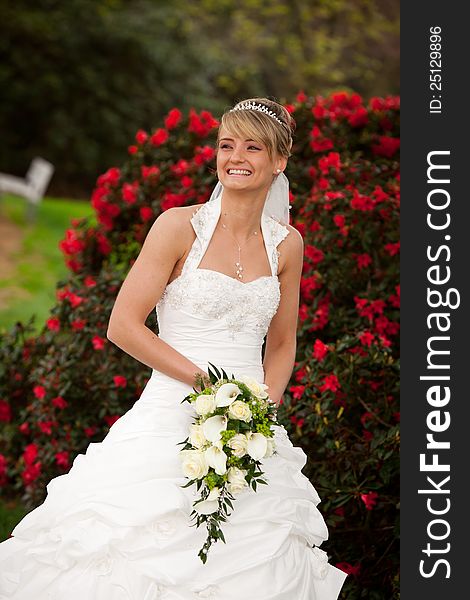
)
(257, 125)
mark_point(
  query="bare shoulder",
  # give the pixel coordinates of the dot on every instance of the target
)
(291, 249)
(174, 223)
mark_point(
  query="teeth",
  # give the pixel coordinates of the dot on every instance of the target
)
(238, 172)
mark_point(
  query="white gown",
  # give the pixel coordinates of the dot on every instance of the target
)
(117, 525)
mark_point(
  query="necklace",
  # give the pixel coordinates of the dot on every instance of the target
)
(238, 265)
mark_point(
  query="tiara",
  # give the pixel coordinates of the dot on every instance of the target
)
(252, 106)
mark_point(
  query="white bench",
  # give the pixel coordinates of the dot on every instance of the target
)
(32, 187)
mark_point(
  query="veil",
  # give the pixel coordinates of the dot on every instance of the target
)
(276, 204)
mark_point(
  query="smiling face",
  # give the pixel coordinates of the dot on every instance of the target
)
(244, 163)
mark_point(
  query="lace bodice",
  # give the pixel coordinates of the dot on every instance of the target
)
(213, 305)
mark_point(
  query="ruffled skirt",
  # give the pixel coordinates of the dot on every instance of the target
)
(117, 526)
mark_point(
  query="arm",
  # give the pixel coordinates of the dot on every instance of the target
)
(140, 291)
(281, 340)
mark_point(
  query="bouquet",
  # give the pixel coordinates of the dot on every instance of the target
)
(230, 434)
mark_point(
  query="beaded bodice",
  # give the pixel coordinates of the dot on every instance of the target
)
(212, 303)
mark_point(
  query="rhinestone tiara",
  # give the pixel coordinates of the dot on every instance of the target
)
(260, 107)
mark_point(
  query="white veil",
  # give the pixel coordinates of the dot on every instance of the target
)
(276, 204)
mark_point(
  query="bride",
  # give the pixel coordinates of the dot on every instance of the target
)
(223, 278)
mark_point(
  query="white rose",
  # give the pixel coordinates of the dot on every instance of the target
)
(256, 388)
(238, 444)
(205, 404)
(271, 446)
(196, 436)
(194, 464)
(239, 410)
(236, 480)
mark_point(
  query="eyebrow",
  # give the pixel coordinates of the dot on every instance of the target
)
(231, 139)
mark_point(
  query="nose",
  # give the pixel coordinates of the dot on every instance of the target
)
(237, 155)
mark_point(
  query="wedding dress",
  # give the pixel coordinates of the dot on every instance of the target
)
(117, 525)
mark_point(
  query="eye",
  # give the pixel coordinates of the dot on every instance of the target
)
(255, 147)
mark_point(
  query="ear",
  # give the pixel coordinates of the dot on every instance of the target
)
(280, 163)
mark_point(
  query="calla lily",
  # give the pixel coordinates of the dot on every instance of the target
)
(213, 426)
(217, 459)
(226, 394)
(257, 445)
(206, 507)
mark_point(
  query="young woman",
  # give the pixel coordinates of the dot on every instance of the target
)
(224, 277)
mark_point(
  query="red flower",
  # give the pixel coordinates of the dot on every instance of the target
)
(339, 220)
(72, 244)
(349, 569)
(111, 177)
(150, 172)
(297, 391)
(119, 381)
(359, 117)
(98, 342)
(204, 154)
(392, 248)
(39, 391)
(129, 192)
(30, 454)
(387, 146)
(31, 473)
(53, 324)
(331, 161)
(90, 431)
(370, 499)
(159, 137)
(46, 426)
(303, 312)
(366, 338)
(59, 402)
(62, 459)
(5, 411)
(146, 213)
(24, 428)
(363, 260)
(314, 254)
(186, 181)
(359, 202)
(180, 168)
(330, 382)
(173, 118)
(78, 324)
(89, 281)
(320, 350)
(132, 149)
(301, 97)
(141, 136)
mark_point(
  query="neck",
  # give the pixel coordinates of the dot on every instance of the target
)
(241, 211)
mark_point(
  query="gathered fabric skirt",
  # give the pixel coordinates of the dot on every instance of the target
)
(117, 526)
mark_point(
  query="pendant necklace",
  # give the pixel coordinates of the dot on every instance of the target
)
(238, 265)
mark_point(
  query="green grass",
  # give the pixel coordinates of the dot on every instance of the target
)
(40, 263)
(11, 514)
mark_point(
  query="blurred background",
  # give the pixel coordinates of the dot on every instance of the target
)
(78, 78)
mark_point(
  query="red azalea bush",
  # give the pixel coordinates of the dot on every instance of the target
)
(63, 390)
